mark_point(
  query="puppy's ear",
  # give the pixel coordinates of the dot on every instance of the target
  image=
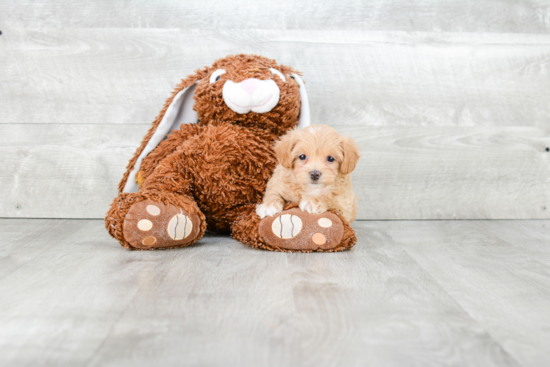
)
(283, 150)
(351, 155)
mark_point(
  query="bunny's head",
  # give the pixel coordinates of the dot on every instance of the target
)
(250, 91)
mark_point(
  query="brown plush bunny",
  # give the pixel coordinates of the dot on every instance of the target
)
(206, 161)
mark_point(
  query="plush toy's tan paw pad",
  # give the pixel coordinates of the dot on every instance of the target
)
(287, 226)
(151, 224)
(296, 230)
(179, 227)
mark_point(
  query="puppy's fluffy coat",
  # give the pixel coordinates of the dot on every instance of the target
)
(314, 170)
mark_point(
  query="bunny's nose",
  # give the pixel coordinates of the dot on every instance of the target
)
(250, 85)
(314, 175)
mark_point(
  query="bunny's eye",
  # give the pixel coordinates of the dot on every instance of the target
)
(330, 159)
(216, 75)
(302, 157)
(277, 72)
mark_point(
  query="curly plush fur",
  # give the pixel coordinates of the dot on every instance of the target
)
(218, 168)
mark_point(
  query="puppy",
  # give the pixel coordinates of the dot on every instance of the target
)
(314, 170)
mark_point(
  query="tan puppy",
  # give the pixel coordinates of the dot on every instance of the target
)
(314, 170)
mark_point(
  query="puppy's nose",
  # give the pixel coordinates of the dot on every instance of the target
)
(250, 85)
(314, 175)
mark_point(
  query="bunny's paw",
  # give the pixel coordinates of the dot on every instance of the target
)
(300, 231)
(150, 225)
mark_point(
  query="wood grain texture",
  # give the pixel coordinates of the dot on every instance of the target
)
(508, 16)
(72, 171)
(495, 272)
(354, 77)
(373, 306)
(63, 171)
(85, 301)
(452, 172)
(537, 241)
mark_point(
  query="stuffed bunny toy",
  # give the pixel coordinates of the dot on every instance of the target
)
(206, 161)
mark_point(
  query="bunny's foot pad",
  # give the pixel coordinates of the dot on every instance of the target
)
(150, 224)
(296, 230)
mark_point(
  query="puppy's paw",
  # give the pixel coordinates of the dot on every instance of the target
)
(313, 207)
(269, 209)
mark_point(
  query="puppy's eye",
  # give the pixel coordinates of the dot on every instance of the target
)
(216, 75)
(330, 158)
(302, 157)
(275, 71)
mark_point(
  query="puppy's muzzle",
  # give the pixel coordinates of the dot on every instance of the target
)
(314, 175)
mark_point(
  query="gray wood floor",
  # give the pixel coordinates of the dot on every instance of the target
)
(411, 293)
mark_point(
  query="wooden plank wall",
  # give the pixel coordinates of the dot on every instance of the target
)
(449, 100)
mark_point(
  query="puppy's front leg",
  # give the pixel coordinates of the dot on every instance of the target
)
(269, 208)
(273, 201)
(313, 205)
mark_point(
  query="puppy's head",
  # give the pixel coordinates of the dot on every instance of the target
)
(317, 155)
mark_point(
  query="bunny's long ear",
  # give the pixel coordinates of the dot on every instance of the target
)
(305, 119)
(177, 111)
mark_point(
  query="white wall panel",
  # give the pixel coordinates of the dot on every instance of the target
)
(510, 16)
(72, 170)
(353, 77)
(449, 100)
